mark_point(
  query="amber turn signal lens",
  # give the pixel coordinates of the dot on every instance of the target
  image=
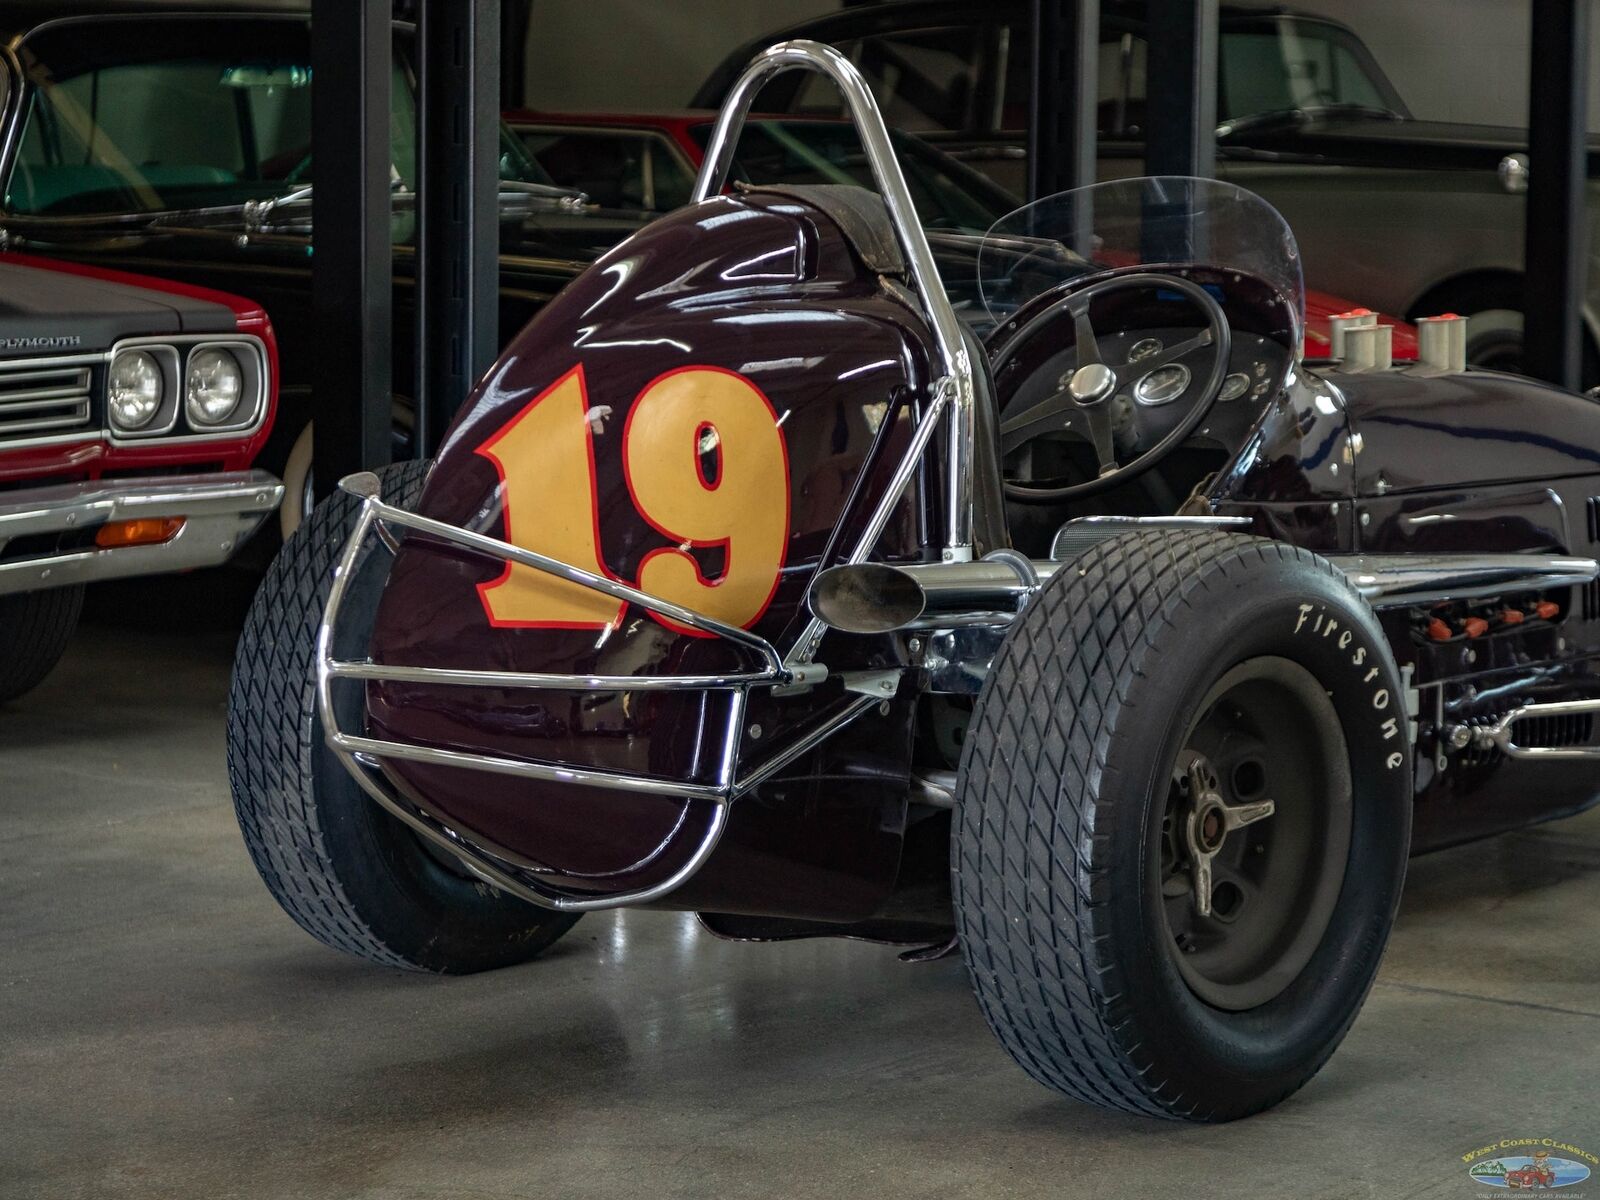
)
(146, 531)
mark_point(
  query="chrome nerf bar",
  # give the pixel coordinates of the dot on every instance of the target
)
(359, 755)
(957, 364)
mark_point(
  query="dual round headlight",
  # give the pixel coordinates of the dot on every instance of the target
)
(213, 389)
(136, 389)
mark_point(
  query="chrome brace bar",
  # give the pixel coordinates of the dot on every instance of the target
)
(359, 755)
(956, 362)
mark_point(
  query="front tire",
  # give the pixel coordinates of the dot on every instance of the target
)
(350, 874)
(35, 628)
(1167, 700)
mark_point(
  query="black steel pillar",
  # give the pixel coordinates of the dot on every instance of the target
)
(352, 264)
(1066, 65)
(1181, 89)
(1556, 236)
(458, 294)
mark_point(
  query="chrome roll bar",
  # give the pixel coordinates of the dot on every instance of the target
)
(953, 355)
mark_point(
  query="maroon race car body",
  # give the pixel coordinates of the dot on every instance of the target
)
(1110, 642)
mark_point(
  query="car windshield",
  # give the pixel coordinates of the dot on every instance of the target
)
(947, 193)
(120, 117)
(1232, 234)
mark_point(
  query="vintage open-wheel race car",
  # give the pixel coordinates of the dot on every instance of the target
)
(820, 574)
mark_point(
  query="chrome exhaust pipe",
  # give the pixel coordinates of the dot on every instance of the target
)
(885, 598)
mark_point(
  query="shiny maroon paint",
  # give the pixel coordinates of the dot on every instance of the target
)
(1511, 464)
(758, 286)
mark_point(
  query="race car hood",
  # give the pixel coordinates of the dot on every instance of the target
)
(1421, 432)
(48, 310)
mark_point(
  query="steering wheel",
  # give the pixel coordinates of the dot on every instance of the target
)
(1085, 401)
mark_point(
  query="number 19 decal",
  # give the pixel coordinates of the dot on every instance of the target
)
(705, 465)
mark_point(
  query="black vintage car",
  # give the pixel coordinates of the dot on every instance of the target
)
(132, 412)
(176, 140)
(1112, 642)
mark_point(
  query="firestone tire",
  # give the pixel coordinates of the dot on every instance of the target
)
(1069, 784)
(350, 874)
(35, 628)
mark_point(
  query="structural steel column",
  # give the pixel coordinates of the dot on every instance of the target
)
(1181, 89)
(458, 293)
(352, 266)
(1556, 238)
(1066, 63)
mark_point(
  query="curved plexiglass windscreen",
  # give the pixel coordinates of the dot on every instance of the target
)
(1161, 221)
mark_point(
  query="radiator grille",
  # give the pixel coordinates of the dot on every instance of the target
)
(37, 399)
(1574, 729)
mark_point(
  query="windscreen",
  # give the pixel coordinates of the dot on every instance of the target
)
(1162, 221)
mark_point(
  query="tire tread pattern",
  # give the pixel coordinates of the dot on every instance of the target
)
(269, 755)
(35, 628)
(1029, 850)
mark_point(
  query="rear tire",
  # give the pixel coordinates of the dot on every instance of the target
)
(35, 628)
(1078, 823)
(350, 874)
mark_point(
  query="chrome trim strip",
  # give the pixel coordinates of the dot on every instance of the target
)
(1401, 580)
(546, 772)
(527, 679)
(957, 365)
(220, 512)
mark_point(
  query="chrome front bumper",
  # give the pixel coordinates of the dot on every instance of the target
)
(219, 512)
(362, 756)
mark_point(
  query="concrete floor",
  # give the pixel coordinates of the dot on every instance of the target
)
(167, 1032)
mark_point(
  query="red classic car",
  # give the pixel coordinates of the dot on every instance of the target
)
(1531, 1176)
(131, 411)
(640, 165)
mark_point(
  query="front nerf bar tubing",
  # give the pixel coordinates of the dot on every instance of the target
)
(956, 362)
(359, 754)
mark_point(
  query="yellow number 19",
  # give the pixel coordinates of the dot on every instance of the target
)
(706, 466)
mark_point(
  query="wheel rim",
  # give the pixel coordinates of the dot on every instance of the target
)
(1257, 818)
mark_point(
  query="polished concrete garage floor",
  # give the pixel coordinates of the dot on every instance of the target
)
(165, 1031)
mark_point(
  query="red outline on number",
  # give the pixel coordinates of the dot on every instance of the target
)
(487, 450)
(783, 554)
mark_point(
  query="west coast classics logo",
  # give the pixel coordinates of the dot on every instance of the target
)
(1530, 1164)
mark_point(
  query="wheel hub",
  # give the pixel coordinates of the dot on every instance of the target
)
(1211, 820)
(1254, 835)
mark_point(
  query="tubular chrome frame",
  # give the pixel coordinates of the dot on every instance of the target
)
(359, 754)
(957, 363)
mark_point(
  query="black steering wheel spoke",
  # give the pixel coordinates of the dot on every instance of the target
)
(1087, 395)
